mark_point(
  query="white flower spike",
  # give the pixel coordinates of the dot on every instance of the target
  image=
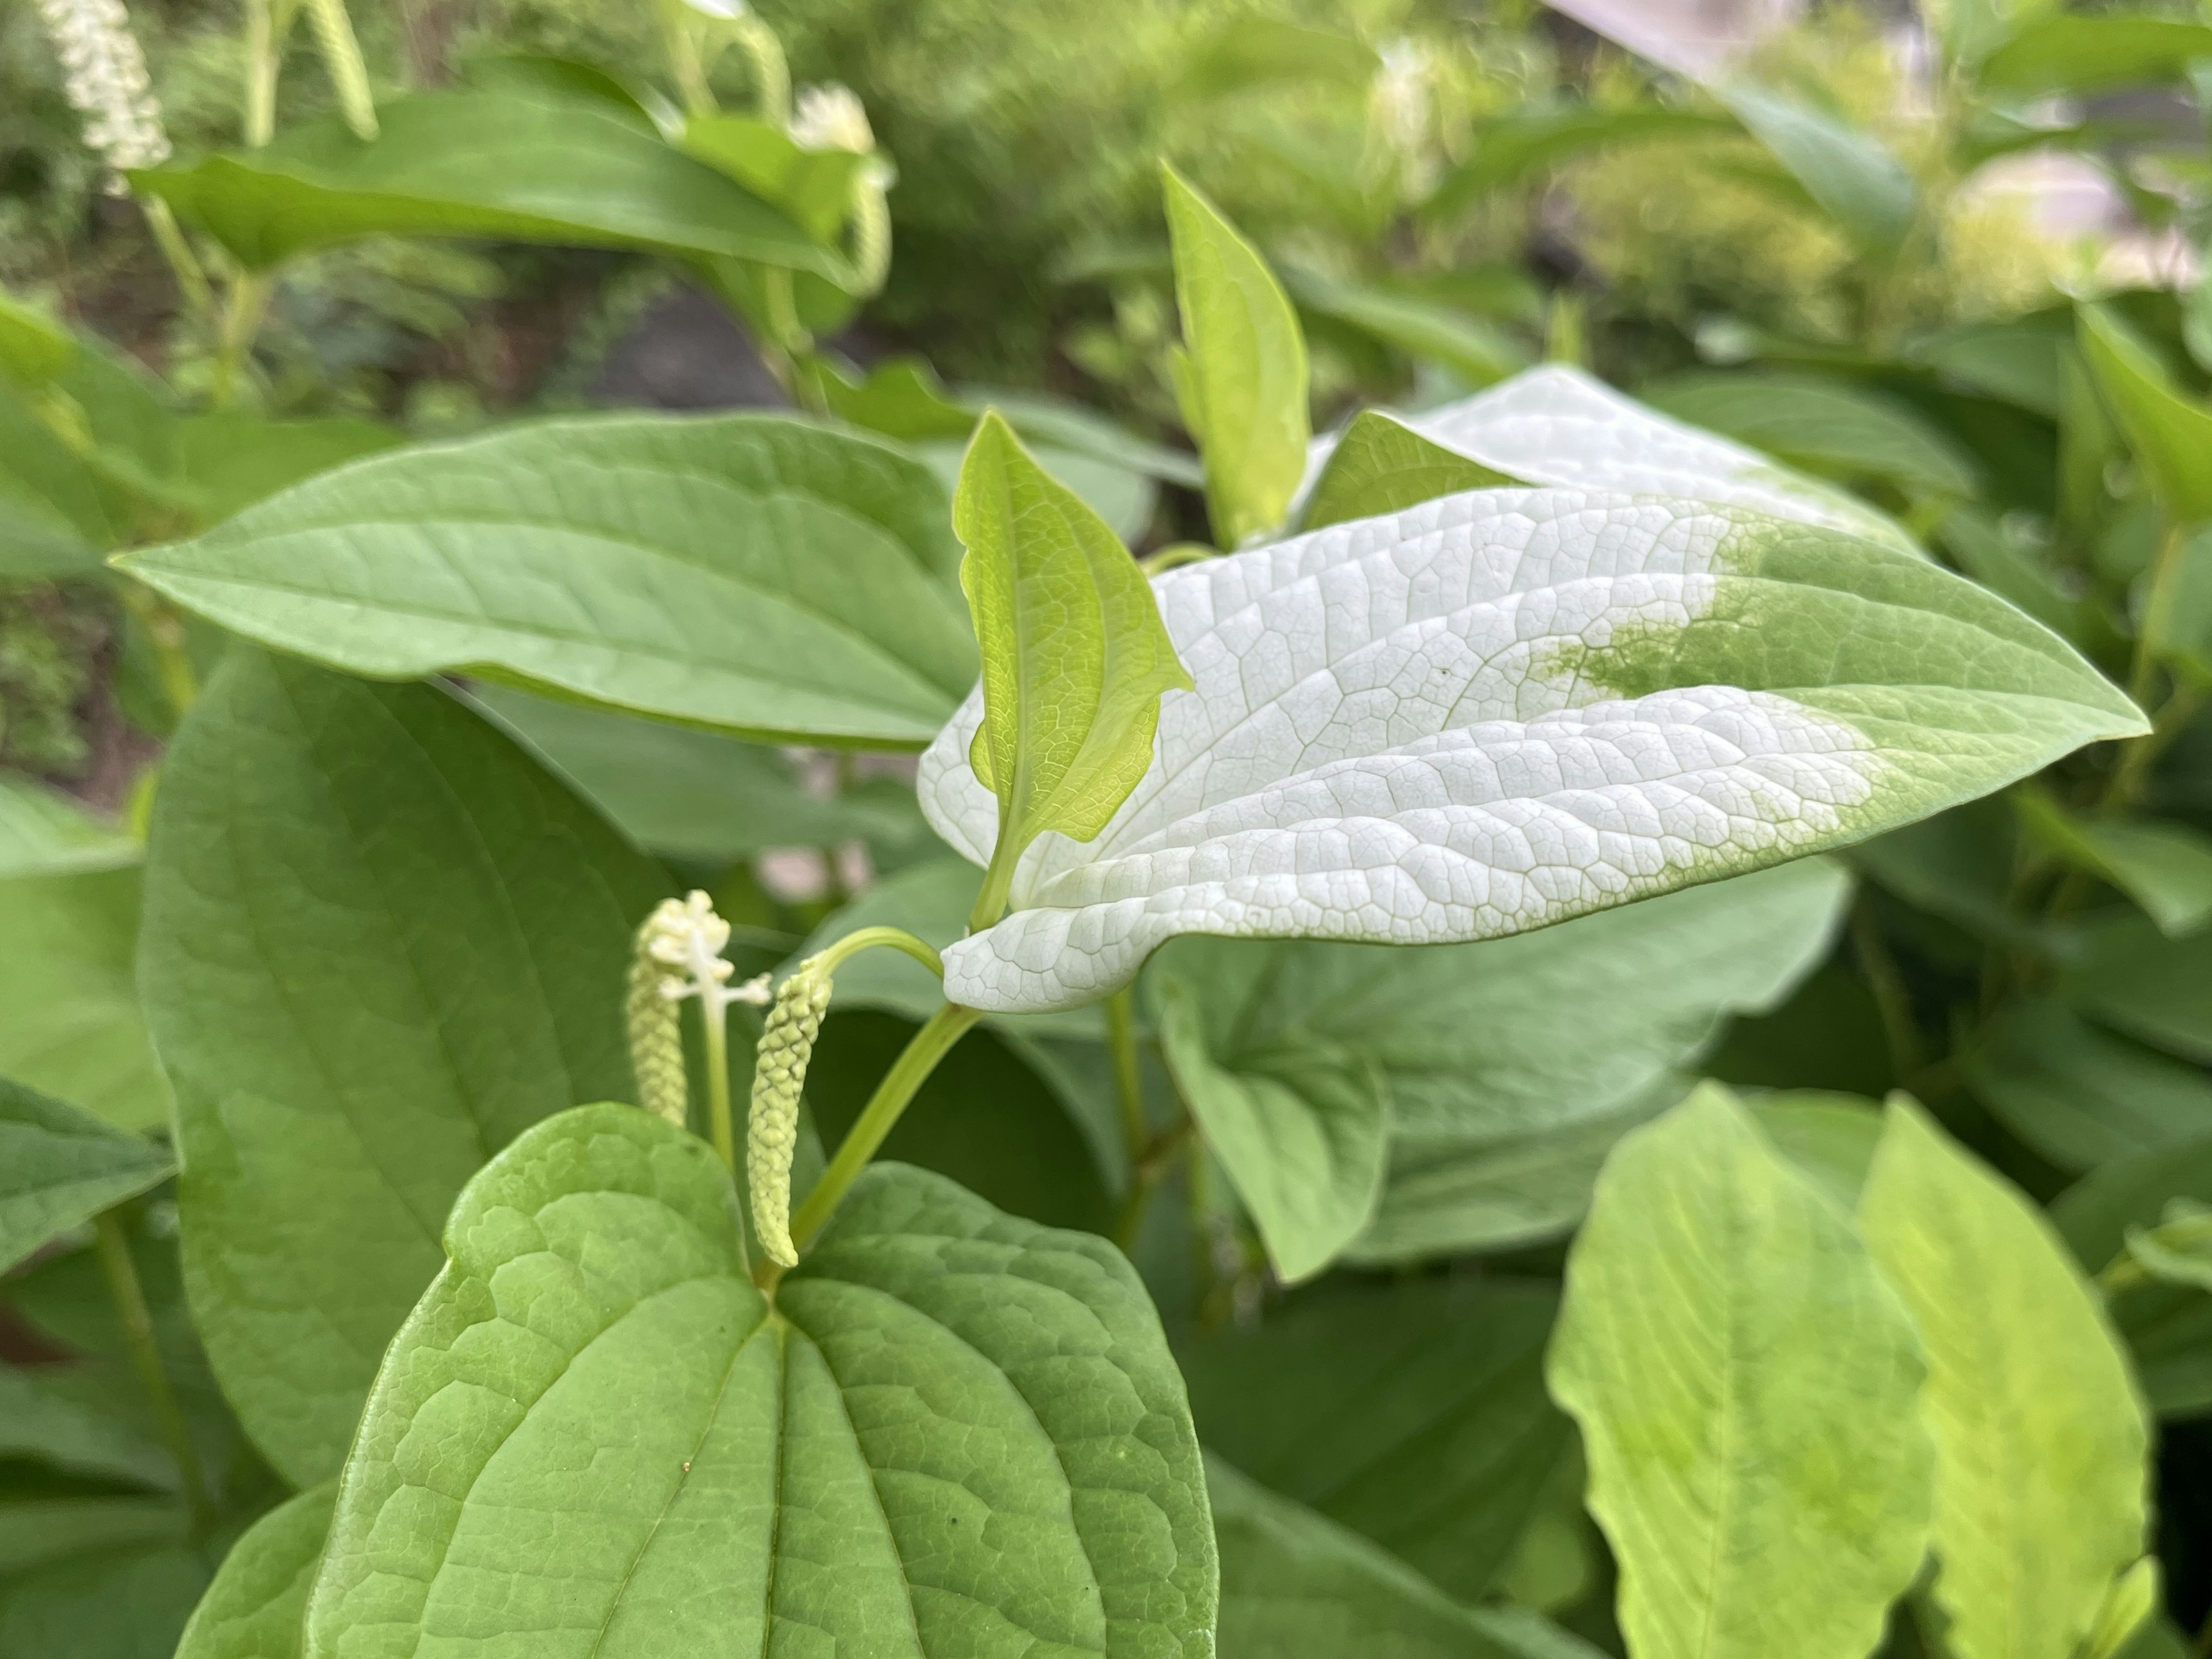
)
(685, 936)
(1504, 708)
(105, 81)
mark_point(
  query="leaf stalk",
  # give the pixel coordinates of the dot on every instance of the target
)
(129, 1296)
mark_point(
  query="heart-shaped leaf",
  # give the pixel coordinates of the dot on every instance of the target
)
(60, 1166)
(952, 1434)
(379, 942)
(751, 573)
(482, 163)
(1556, 425)
(1509, 707)
(2039, 1438)
(1747, 1388)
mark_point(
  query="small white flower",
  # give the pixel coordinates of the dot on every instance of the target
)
(105, 81)
(686, 935)
(831, 118)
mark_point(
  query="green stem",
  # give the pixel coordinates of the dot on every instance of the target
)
(714, 1015)
(872, 232)
(771, 73)
(997, 884)
(1128, 1080)
(909, 1072)
(137, 1321)
(342, 62)
(686, 67)
(241, 321)
(831, 958)
(1146, 1174)
(169, 237)
(165, 631)
(1891, 999)
(261, 61)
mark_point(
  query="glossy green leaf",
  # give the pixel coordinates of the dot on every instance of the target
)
(1075, 657)
(2040, 1441)
(1413, 1412)
(59, 1166)
(2082, 52)
(1745, 1384)
(699, 796)
(2081, 1095)
(955, 1433)
(2170, 433)
(379, 942)
(481, 163)
(1295, 1585)
(44, 832)
(1242, 379)
(746, 572)
(257, 1603)
(1822, 426)
(1509, 148)
(69, 1020)
(1848, 171)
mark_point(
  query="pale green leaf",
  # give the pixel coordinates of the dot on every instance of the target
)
(2170, 432)
(1831, 1137)
(2078, 52)
(1244, 382)
(1380, 465)
(747, 571)
(69, 1020)
(1075, 657)
(379, 942)
(954, 1434)
(2129, 1606)
(2040, 1441)
(59, 1166)
(501, 165)
(1745, 1384)
(257, 1603)
(1542, 703)
(1413, 1412)
(1847, 170)
(1248, 53)
(1295, 1585)
(43, 832)
(2083, 1096)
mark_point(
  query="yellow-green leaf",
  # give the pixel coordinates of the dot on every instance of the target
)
(1075, 656)
(2040, 1439)
(1241, 376)
(1745, 1384)
(2170, 433)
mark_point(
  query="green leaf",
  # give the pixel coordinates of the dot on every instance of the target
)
(37, 1531)
(747, 571)
(954, 1434)
(69, 1020)
(44, 832)
(1822, 426)
(1972, 29)
(1243, 379)
(125, 1603)
(2080, 1095)
(2021, 360)
(227, 462)
(1075, 656)
(486, 164)
(1413, 1412)
(42, 1422)
(2168, 1330)
(2170, 433)
(1295, 1585)
(2165, 868)
(813, 187)
(1831, 1137)
(2178, 1250)
(256, 1606)
(33, 347)
(1427, 331)
(61, 1166)
(2039, 1438)
(1381, 466)
(1509, 148)
(1847, 171)
(1745, 1384)
(699, 796)
(1246, 54)
(2091, 53)
(2129, 975)
(379, 942)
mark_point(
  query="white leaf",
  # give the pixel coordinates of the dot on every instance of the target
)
(1556, 425)
(1500, 710)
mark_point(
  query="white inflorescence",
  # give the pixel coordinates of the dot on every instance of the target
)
(686, 936)
(107, 84)
(831, 118)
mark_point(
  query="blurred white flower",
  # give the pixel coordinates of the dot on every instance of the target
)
(105, 81)
(831, 118)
